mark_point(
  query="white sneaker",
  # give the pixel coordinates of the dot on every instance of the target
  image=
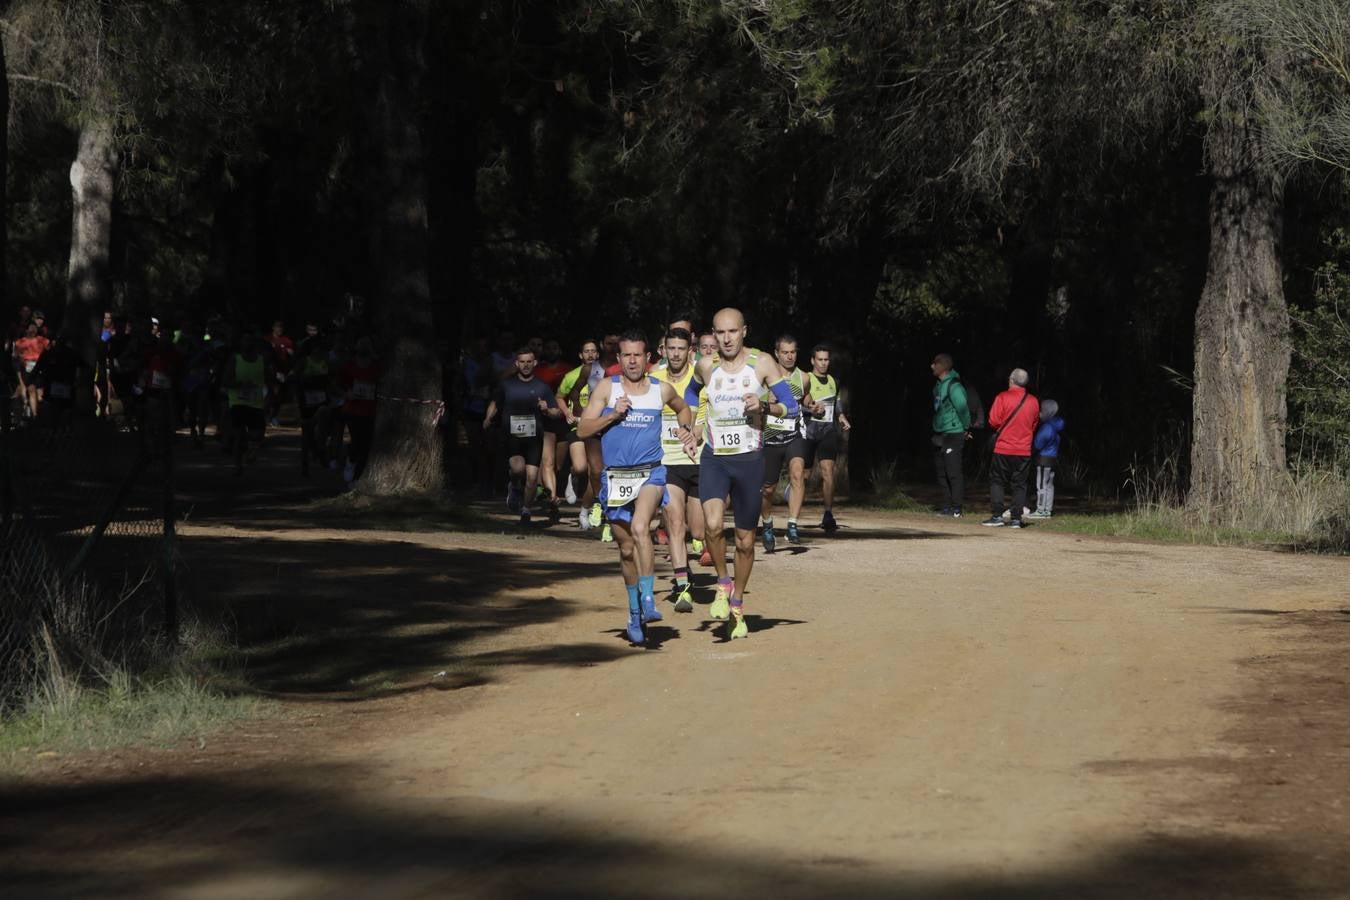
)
(570, 495)
(584, 520)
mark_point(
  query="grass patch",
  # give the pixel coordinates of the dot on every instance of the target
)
(121, 711)
(888, 494)
(1167, 524)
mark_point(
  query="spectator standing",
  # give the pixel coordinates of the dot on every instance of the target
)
(1046, 447)
(359, 378)
(1014, 415)
(951, 429)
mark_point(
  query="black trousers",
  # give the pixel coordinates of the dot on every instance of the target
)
(1008, 474)
(947, 452)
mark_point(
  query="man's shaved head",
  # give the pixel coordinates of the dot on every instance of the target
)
(729, 317)
(729, 327)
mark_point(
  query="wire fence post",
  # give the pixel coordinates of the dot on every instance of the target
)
(170, 531)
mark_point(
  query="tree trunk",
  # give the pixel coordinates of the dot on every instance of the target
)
(1241, 326)
(6, 313)
(91, 182)
(406, 457)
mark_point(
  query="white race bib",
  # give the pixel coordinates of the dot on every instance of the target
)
(827, 414)
(624, 485)
(29, 365)
(523, 426)
(363, 390)
(59, 391)
(315, 398)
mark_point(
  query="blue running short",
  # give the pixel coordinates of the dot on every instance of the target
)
(625, 513)
(739, 477)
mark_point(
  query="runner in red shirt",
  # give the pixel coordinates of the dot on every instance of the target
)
(283, 352)
(27, 351)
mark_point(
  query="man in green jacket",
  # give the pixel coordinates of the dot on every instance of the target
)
(951, 430)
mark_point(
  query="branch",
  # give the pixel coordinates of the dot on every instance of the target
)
(46, 81)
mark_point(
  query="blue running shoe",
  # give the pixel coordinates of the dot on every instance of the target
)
(634, 630)
(827, 521)
(649, 611)
(793, 536)
(768, 539)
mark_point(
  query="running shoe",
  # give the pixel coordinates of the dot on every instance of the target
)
(570, 495)
(595, 515)
(524, 518)
(705, 559)
(661, 537)
(721, 605)
(792, 535)
(1016, 523)
(513, 498)
(1037, 514)
(606, 535)
(583, 520)
(634, 631)
(768, 539)
(827, 521)
(736, 627)
(993, 522)
(684, 601)
(695, 545)
(649, 611)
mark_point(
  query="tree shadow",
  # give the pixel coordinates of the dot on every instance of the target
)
(251, 833)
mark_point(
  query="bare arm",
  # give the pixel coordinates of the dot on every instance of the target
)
(593, 421)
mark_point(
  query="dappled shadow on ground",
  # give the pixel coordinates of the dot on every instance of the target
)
(249, 833)
(335, 616)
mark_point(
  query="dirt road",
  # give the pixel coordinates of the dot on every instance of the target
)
(923, 709)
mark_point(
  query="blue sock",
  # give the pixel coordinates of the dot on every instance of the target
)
(633, 605)
(646, 585)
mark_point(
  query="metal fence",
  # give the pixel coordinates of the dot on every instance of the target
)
(88, 569)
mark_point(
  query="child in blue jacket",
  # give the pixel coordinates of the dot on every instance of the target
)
(1045, 448)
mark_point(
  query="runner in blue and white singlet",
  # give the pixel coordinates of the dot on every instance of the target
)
(625, 410)
(732, 463)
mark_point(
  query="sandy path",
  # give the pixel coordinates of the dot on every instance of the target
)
(922, 709)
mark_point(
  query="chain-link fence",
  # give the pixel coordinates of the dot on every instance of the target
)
(87, 550)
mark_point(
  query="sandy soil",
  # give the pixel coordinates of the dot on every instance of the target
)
(923, 709)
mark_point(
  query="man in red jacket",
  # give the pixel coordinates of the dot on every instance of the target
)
(1014, 415)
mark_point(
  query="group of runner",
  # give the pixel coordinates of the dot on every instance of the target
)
(667, 434)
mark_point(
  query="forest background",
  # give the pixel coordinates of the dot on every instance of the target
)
(1142, 203)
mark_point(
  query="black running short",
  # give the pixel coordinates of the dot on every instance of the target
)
(683, 477)
(824, 446)
(248, 418)
(530, 448)
(776, 457)
(740, 477)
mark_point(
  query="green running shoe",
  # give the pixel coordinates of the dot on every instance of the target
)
(684, 601)
(721, 605)
(595, 515)
(737, 627)
(606, 535)
(696, 547)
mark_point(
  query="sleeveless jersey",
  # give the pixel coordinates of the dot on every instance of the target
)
(672, 451)
(778, 430)
(730, 431)
(826, 392)
(249, 388)
(634, 440)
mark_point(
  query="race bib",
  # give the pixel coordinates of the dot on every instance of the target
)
(523, 426)
(160, 381)
(252, 394)
(734, 435)
(29, 365)
(59, 391)
(315, 398)
(624, 485)
(363, 390)
(827, 414)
